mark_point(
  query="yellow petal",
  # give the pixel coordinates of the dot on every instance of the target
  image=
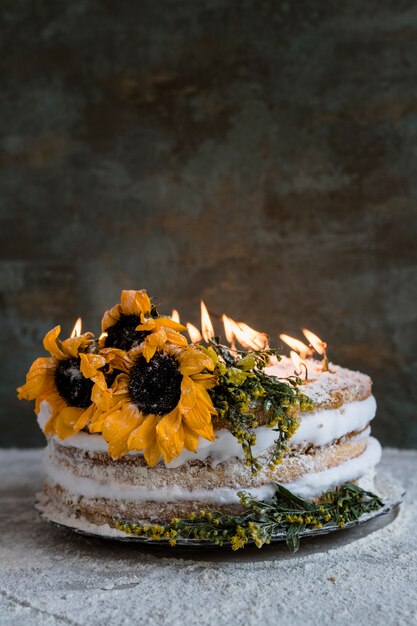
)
(170, 435)
(111, 317)
(190, 439)
(208, 381)
(204, 398)
(147, 325)
(152, 453)
(167, 322)
(50, 343)
(193, 361)
(117, 359)
(135, 302)
(117, 429)
(99, 417)
(102, 398)
(90, 363)
(199, 420)
(174, 337)
(84, 418)
(57, 404)
(188, 394)
(65, 421)
(152, 343)
(72, 345)
(38, 377)
(144, 435)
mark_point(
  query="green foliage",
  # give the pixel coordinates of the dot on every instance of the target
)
(260, 521)
(244, 392)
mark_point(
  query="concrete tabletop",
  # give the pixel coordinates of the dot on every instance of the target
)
(53, 576)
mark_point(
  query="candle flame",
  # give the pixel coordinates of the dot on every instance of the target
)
(299, 364)
(207, 329)
(175, 316)
(297, 345)
(76, 331)
(247, 337)
(228, 331)
(318, 344)
(194, 333)
(260, 340)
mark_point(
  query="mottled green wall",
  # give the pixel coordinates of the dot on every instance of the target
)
(259, 154)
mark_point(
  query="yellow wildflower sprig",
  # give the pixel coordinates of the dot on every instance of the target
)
(243, 391)
(287, 514)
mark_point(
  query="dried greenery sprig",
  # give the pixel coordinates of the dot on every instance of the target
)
(286, 514)
(244, 392)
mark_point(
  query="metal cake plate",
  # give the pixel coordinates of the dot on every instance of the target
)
(324, 538)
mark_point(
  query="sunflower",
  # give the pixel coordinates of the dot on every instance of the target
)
(159, 405)
(134, 321)
(70, 381)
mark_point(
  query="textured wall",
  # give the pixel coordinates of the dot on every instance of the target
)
(261, 155)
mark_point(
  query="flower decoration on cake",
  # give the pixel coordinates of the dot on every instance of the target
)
(160, 404)
(69, 380)
(143, 388)
(135, 321)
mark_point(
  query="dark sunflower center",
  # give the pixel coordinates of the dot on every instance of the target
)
(71, 384)
(155, 387)
(123, 335)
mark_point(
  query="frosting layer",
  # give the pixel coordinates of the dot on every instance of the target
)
(308, 486)
(317, 428)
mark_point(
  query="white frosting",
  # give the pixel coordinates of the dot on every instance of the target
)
(324, 426)
(309, 486)
(316, 428)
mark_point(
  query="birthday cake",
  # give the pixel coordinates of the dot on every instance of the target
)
(148, 434)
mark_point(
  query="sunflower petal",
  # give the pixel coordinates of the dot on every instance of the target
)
(144, 438)
(152, 453)
(193, 361)
(174, 337)
(111, 317)
(190, 439)
(117, 429)
(50, 343)
(135, 302)
(199, 420)
(85, 418)
(66, 420)
(99, 417)
(38, 377)
(117, 359)
(152, 343)
(72, 345)
(208, 381)
(147, 325)
(167, 322)
(101, 398)
(204, 398)
(170, 435)
(188, 394)
(90, 364)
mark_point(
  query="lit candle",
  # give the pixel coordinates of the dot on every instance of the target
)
(298, 364)
(319, 346)
(297, 345)
(207, 329)
(76, 331)
(194, 333)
